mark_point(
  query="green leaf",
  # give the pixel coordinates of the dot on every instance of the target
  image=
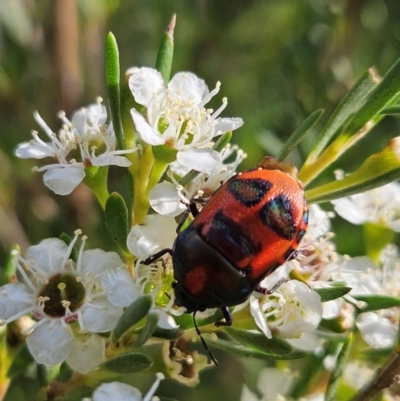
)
(117, 220)
(19, 363)
(222, 141)
(243, 350)
(41, 372)
(167, 334)
(96, 179)
(113, 90)
(347, 106)
(132, 315)
(338, 370)
(395, 109)
(67, 239)
(387, 90)
(65, 372)
(299, 134)
(258, 342)
(379, 169)
(386, 93)
(132, 362)
(8, 272)
(376, 302)
(147, 331)
(376, 237)
(329, 294)
(166, 51)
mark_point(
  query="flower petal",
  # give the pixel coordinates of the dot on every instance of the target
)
(189, 86)
(157, 232)
(119, 287)
(376, 330)
(100, 315)
(86, 353)
(110, 159)
(62, 179)
(50, 343)
(116, 391)
(164, 199)
(258, 316)
(146, 132)
(48, 255)
(227, 124)
(34, 150)
(98, 261)
(202, 159)
(14, 298)
(144, 83)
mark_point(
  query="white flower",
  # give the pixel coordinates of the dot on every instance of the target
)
(272, 384)
(117, 391)
(289, 312)
(154, 234)
(176, 116)
(378, 329)
(380, 206)
(87, 137)
(171, 199)
(57, 292)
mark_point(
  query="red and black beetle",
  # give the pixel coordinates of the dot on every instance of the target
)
(250, 226)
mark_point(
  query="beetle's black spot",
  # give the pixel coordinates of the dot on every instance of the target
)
(229, 237)
(277, 215)
(249, 192)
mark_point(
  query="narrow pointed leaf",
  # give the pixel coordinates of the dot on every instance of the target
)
(395, 109)
(147, 331)
(347, 106)
(387, 90)
(132, 362)
(166, 51)
(377, 302)
(337, 372)
(96, 179)
(132, 315)
(113, 90)
(65, 373)
(385, 94)
(329, 294)
(258, 342)
(299, 134)
(9, 269)
(20, 361)
(167, 334)
(117, 220)
(379, 169)
(243, 350)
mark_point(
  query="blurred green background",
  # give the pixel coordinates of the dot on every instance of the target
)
(278, 61)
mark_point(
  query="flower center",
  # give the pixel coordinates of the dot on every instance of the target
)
(62, 291)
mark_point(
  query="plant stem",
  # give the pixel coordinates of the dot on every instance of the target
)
(384, 378)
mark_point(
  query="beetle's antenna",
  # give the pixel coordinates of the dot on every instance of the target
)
(204, 342)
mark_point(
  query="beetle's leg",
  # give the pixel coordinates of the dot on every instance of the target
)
(191, 209)
(157, 255)
(266, 291)
(228, 317)
(183, 219)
